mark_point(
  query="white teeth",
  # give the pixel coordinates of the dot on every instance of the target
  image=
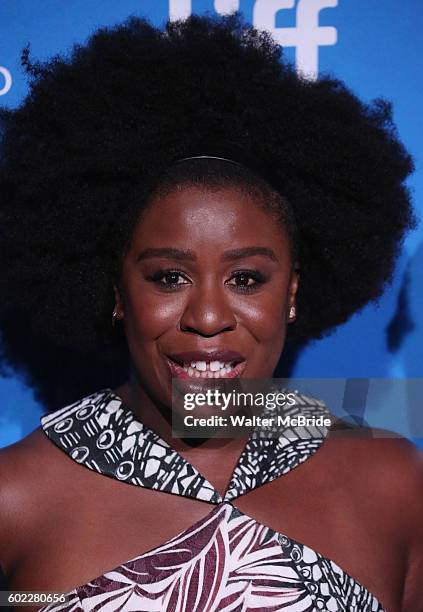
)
(212, 369)
(216, 365)
(201, 366)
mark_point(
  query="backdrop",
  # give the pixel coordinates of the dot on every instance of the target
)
(377, 49)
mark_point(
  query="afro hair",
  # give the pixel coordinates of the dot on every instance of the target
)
(98, 129)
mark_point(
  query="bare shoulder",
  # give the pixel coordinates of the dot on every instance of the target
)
(402, 474)
(403, 477)
(24, 471)
(386, 472)
(385, 461)
(17, 460)
(383, 455)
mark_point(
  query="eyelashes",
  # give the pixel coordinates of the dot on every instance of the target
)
(244, 281)
(172, 278)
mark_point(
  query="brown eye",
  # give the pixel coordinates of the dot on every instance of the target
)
(173, 278)
(246, 280)
(169, 279)
(243, 280)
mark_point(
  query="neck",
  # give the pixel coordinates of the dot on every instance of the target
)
(159, 419)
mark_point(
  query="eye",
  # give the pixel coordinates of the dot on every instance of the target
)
(246, 280)
(169, 279)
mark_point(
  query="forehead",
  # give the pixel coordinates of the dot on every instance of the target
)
(208, 218)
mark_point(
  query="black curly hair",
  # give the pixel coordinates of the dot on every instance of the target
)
(82, 153)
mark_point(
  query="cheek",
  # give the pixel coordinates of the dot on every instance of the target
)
(265, 317)
(148, 315)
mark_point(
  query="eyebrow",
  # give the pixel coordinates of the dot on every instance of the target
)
(249, 252)
(186, 255)
(167, 253)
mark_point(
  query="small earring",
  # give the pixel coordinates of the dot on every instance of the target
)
(114, 316)
(292, 312)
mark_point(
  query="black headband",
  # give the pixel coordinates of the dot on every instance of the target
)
(234, 155)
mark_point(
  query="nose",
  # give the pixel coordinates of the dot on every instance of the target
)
(208, 312)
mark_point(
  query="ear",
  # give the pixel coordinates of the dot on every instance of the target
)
(119, 309)
(292, 293)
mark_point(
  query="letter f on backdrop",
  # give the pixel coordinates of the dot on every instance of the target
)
(306, 37)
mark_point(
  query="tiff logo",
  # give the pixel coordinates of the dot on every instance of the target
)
(307, 36)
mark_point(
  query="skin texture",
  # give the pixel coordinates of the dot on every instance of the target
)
(63, 525)
(209, 308)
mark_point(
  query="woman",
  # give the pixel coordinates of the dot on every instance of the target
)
(184, 199)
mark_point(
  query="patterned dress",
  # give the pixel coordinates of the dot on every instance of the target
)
(227, 561)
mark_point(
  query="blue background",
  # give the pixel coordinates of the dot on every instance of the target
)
(379, 52)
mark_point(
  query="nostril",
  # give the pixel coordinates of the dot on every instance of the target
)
(200, 332)
(207, 318)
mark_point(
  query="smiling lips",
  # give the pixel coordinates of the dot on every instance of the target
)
(206, 364)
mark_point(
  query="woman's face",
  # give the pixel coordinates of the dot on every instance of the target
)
(206, 289)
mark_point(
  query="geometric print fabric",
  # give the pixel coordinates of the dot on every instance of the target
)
(227, 560)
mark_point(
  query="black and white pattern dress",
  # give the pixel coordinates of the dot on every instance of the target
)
(227, 561)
